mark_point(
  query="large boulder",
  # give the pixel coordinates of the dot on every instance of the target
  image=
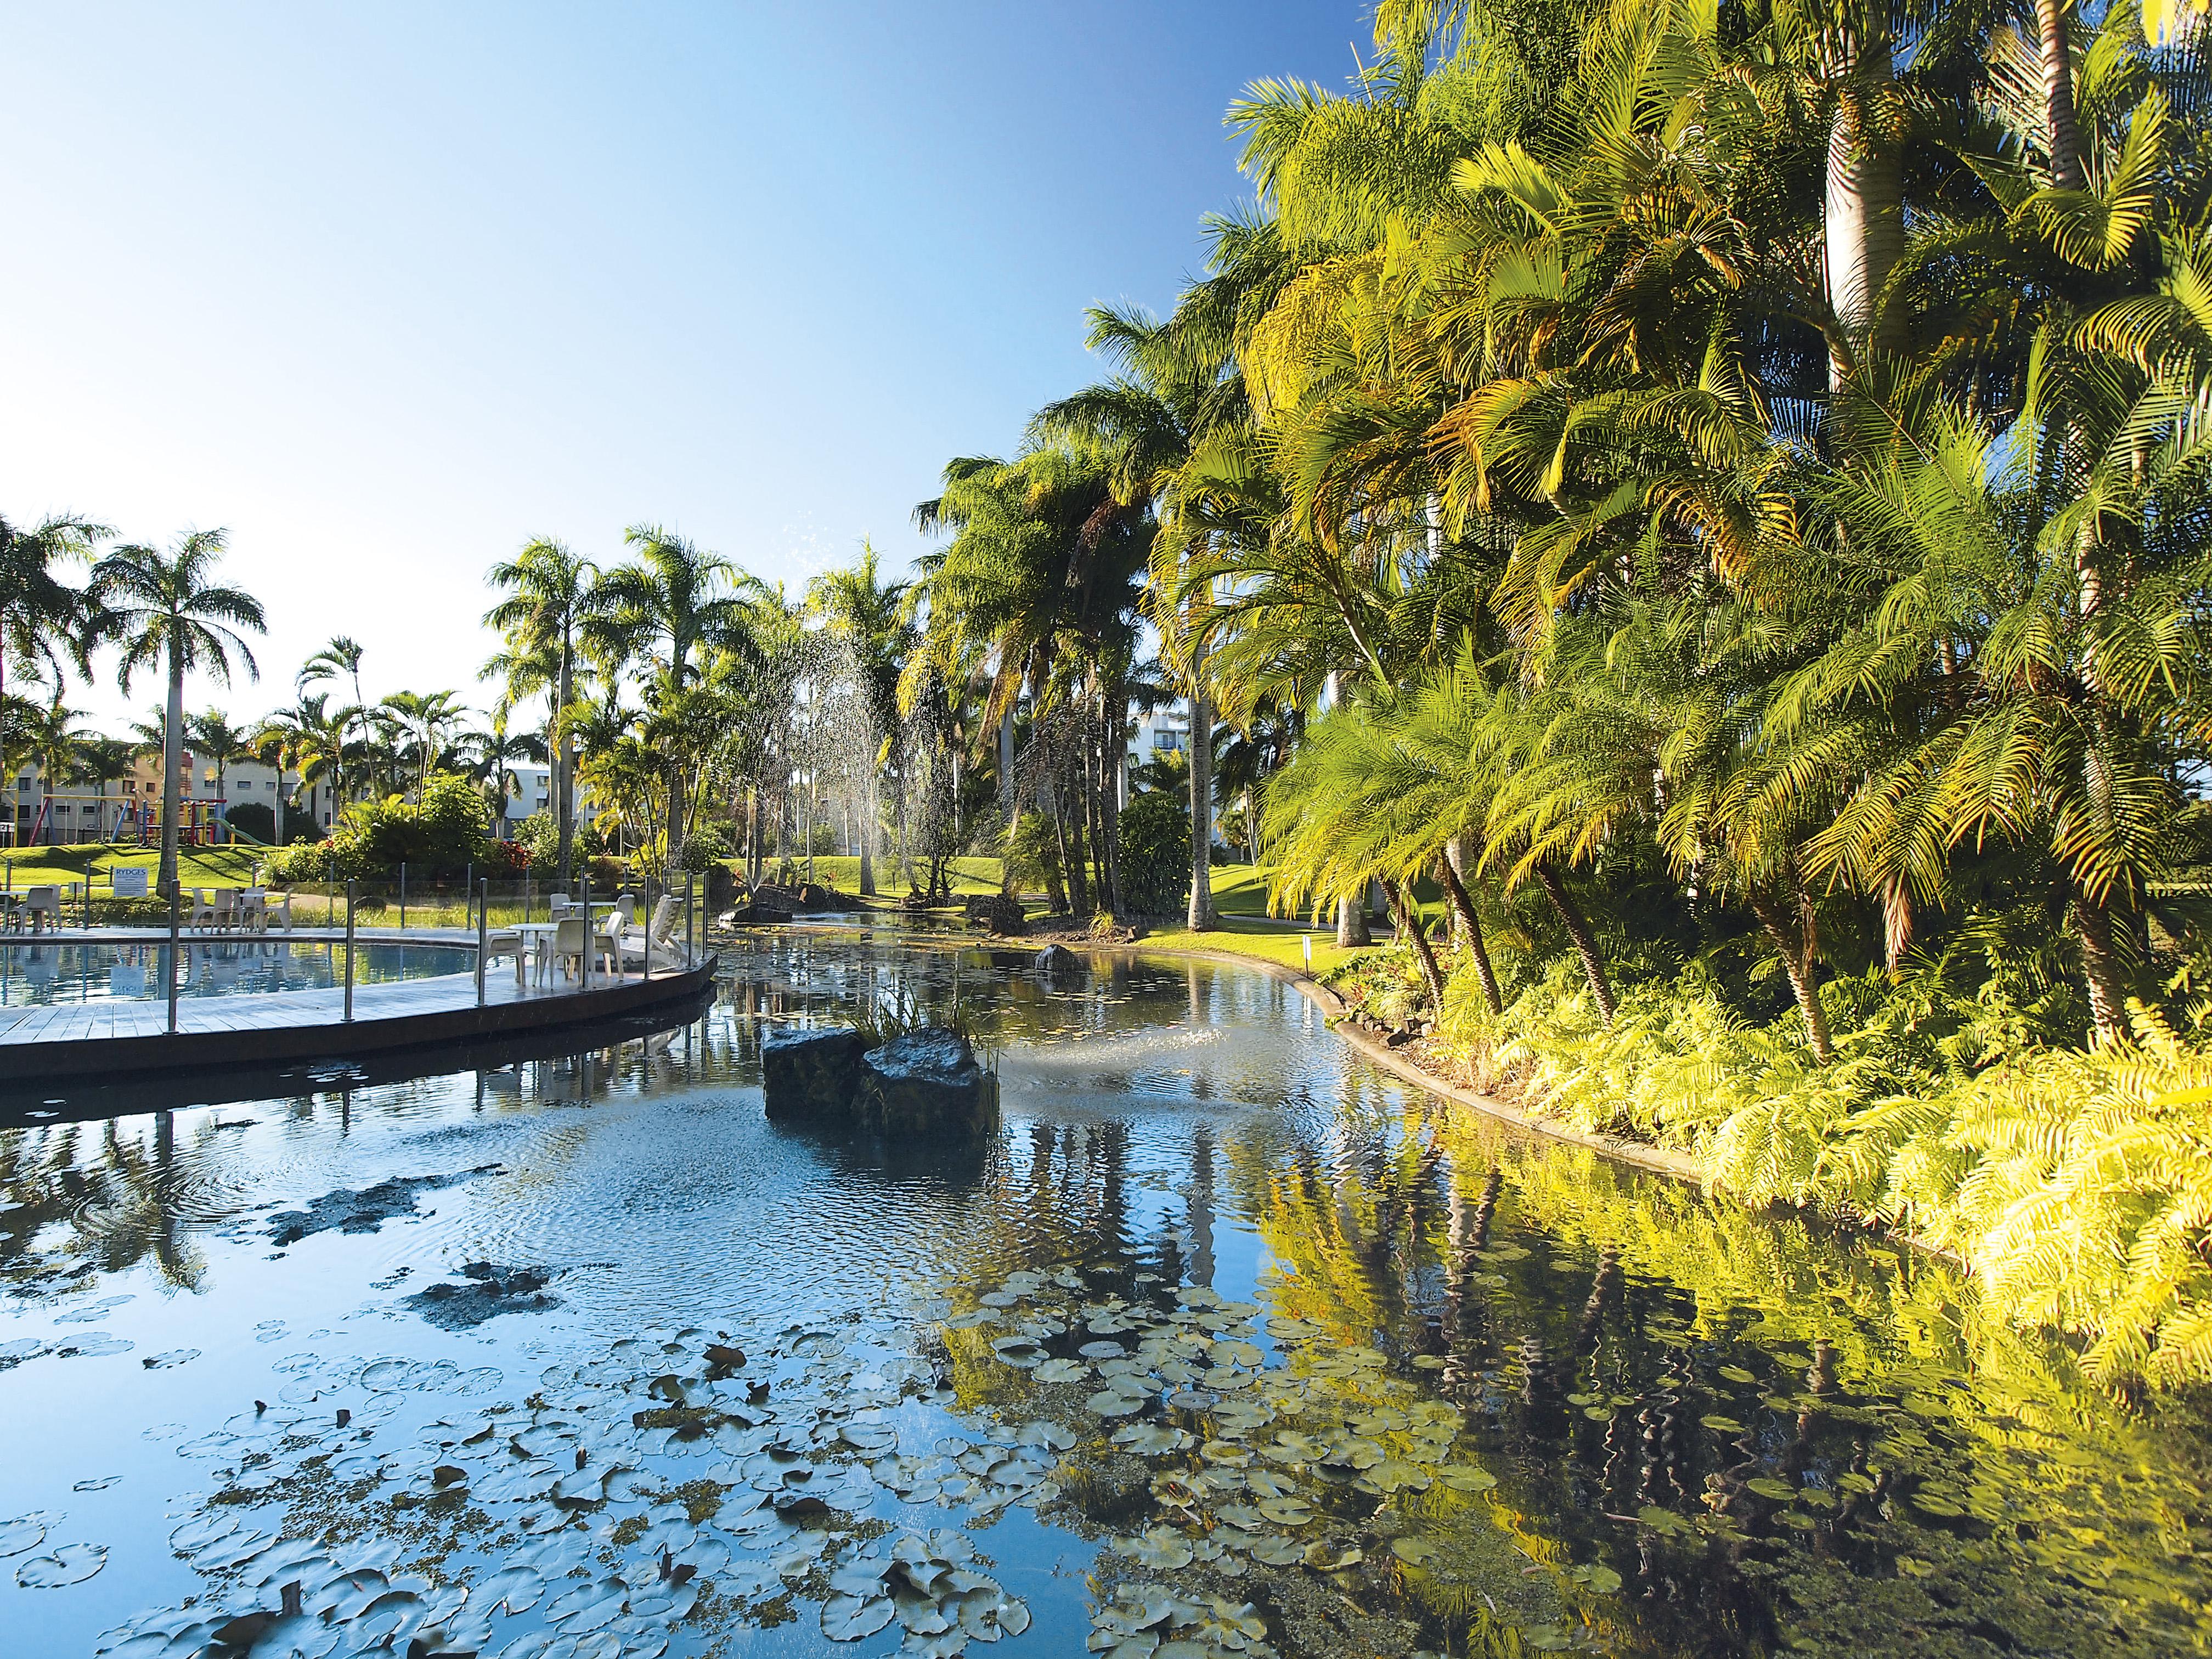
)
(927, 1083)
(1058, 962)
(811, 1074)
(723, 889)
(998, 912)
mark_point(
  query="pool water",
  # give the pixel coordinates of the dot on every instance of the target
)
(1227, 1345)
(58, 969)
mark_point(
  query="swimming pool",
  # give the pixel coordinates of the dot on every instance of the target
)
(64, 970)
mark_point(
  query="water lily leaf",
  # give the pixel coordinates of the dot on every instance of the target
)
(1737, 1374)
(1720, 1424)
(589, 1606)
(1393, 1474)
(1156, 1546)
(1222, 1452)
(517, 1589)
(1277, 1552)
(28, 1531)
(1767, 1486)
(1663, 1522)
(1604, 1580)
(1062, 1370)
(852, 1618)
(1151, 1439)
(1111, 1402)
(869, 1437)
(72, 1564)
(1325, 1557)
(1019, 1352)
(1287, 1512)
(1414, 1550)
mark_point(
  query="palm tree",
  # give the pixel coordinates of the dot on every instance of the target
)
(164, 610)
(491, 751)
(50, 734)
(43, 620)
(338, 660)
(428, 720)
(677, 603)
(213, 736)
(549, 595)
(100, 762)
(312, 742)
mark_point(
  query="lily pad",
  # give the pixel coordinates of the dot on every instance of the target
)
(852, 1618)
(1156, 1546)
(25, 1532)
(72, 1564)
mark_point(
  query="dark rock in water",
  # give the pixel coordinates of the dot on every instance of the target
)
(1055, 960)
(491, 1291)
(723, 889)
(811, 1073)
(366, 1210)
(1001, 913)
(927, 1083)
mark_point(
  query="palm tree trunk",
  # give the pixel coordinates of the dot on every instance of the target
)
(1352, 923)
(868, 837)
(2100, 965)
(2065, 133)
(172, 753)
(1202, 797)
(1471, 931)
(564, 765)
(1863, 216)
(1409, 926)
(1570, 917)
(1799, 962)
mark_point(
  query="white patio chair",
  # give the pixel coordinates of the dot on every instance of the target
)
(275, 905)
(198, 911)
(253, 911)
(42, 905)
(667, 949)
(612, 926)
(570, 942)
(224, 911)
(504, 944)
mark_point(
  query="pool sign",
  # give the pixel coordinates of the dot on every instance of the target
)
(130, 880)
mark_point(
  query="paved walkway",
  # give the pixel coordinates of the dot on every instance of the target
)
(282, 1009)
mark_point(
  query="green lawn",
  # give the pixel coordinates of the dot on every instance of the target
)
(842, 872)
(210, 867)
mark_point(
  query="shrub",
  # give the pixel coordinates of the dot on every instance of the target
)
(706, 847)
(443, 834)
(1155, 855)
(255, 819)
(538, 836)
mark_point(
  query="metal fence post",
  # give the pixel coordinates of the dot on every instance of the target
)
(645, 963)
(174, 890)
(584, 894)
(349, 951)
(402, 896)
(483, 942)
(468, 890)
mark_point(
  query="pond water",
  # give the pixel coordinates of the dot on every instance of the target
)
(1226, 1345)
(59, 969)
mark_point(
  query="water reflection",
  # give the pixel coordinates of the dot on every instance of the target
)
(1225, 1343)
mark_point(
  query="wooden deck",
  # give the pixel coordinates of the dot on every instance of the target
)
(95, 1039)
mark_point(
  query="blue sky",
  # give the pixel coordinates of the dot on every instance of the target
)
(387, 290)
